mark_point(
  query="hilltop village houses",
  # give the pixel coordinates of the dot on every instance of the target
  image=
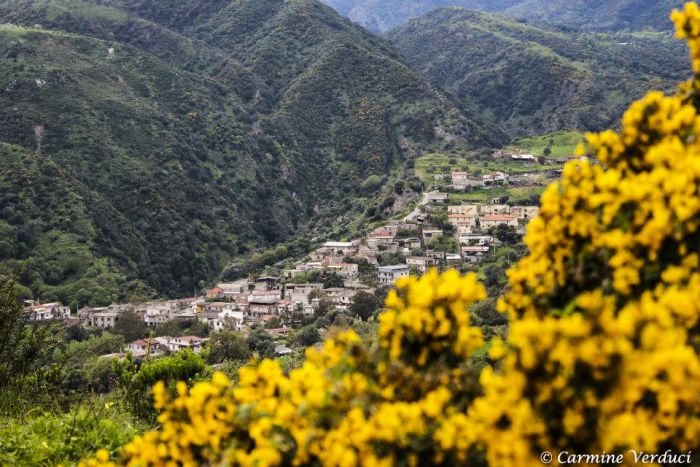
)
(389, 252)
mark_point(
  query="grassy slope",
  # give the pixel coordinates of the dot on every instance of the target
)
(561, 144)
(57, 438)
(429, 165)
(535, 80)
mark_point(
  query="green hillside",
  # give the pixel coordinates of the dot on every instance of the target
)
(188, 135)
(537, 80)
(383, 15)
(598, 15)
(559, 144)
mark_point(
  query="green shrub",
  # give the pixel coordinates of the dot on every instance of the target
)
(64, 438)
(136, 383)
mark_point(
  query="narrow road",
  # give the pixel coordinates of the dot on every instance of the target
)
(425, 200)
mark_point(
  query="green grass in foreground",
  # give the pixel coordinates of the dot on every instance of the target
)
(56, 438)
(562, 143)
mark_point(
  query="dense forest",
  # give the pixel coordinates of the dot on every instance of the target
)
(533, 79)
(599, 15)
(163, 140)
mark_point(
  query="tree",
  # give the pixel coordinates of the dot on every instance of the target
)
(24, 347)
(261, 343)
(324, 307)
(130, 326)
(328, 279)
(381, 292)
(315, 293)
(487, 314)
(506, 234)
(183, 327)
(371, 184)
(274, 323)
(365, 305)
(307, 336)
(332, 279)
(228, 346)
(137, 383)
(445, 243)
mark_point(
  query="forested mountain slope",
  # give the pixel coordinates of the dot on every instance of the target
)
(383, 15)
(180, 134)
(534, 79)
(599, 15)
(593, 15)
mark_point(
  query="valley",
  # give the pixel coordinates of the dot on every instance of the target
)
(347, 232)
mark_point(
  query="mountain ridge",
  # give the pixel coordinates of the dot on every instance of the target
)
(533, 79)
(218, 143)
(602, 15)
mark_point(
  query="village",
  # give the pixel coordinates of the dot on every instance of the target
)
(436, 234)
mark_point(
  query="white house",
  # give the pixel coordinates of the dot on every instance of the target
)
(48, 311)
(494, 220)
(460, 180)
(340, 248)
(193, 343)
(389, 274)
(437, 197)
(104, 320)
(421, 263)
(458, 218)
(524, 157)
(475, 253)
(525, 212)
(465, 228)
(144, 346)
(431, 234)
(264, 296)
(153, 316)
(488, 209)
(453, 258)
(496, 178)
(475, 240)
(346, 270)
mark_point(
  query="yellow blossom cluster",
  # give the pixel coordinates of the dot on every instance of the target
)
(602, 353)
(433, 320)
